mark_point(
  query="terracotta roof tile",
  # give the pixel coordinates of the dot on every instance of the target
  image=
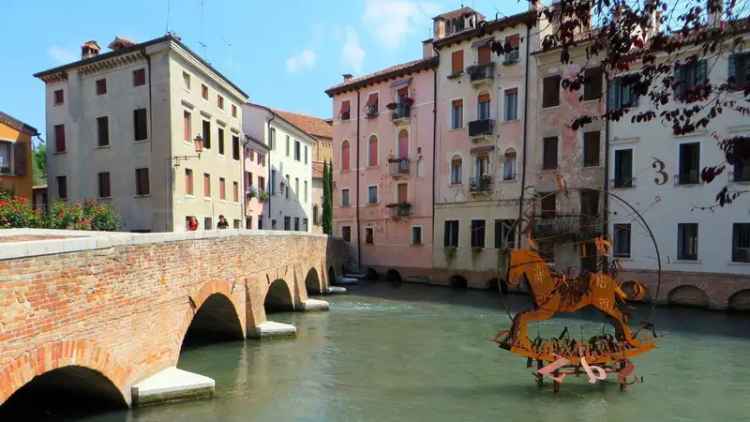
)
(315, 126)
(383, 74)
(9, 120)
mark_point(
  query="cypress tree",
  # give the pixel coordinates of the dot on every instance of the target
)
(327, 228)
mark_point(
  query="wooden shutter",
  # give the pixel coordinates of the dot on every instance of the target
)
(592, 88)
(372, 100)
(188, 182)
(403, 144)
(591, 149)
(457, 62)
(485, 55)
(187, 124)
(551, 91)
(345, 156)
(19, 158)
(484, 98)
(206, 184)
(457, 103)
(402, 192)
(345, 109)
(235, 147)
(139, 77)
(60, 138)
(373, 151)
(206, 134)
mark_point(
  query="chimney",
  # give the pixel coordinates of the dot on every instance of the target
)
(120, 42)
(714, 10)
(90, 49)
(427, 49)
(347, 76)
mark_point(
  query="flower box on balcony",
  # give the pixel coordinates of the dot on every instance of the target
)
(400, 209)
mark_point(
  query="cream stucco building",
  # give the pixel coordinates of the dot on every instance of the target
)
(121, 130)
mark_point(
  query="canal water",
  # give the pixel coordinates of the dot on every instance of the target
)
(418, 353)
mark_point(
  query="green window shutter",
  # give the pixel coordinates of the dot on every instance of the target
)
(701, 73)
(732, 78)
(613, 94)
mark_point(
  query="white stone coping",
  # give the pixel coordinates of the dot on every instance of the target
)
(171, 383)
(76, 240)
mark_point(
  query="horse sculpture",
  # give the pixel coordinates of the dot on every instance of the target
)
(554, 294)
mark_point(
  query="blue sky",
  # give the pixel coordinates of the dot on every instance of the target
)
(283, 53)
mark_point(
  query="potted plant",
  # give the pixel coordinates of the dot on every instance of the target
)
(450, 253)
(263, 196)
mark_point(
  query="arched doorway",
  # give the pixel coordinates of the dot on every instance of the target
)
(66, 392)
(393, 276)
(312, 282)
(279, 297)
(459, 282)
(688, 296)
(215, 320)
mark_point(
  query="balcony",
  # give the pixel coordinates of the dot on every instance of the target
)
(566, 227)
(401, 112)
(371, 111)
(399, 167)
(481, 128)
(511, 58)
(481, 184)
(399, 210)
(481, 73)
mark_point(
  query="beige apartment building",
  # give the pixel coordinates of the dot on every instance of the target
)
(122, 129)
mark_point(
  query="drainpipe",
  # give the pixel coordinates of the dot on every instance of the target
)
(270, 149)
(243, 204)
(434, 141)
(605, 212)
(525, 126)
(169, 195)
(356, 202)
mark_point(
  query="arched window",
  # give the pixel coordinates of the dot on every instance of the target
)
(373, 151)
(483, 106)
(456, 170)
(509, 165)
(345, 156)
(403, 144)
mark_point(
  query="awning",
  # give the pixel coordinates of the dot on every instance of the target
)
(372, 99)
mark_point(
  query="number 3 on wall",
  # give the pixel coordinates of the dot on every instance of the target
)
(662, 177)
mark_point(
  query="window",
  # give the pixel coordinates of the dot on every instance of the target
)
(139, 77)
(261, 184)
(142, 184)
(296, 224)
(345, 110)
(188, 182)
(450, 239)
(477, 233)
(186, 80)
(739, 70)
(623, 168)
(220, 102)
(221, 141)
(305, 192)
(741, 242)
(101, 86)
(369, 235)
(288, 186)
(511, 104)
(372, 159)
(62, 187)
(104, 187)
(549, 204)
(688, 77)
(346, 233)
(5, 157)
(589, 203)
(591, 149)
(513, 46)
(206, 134)
(316, 215)
(249, 223)
(204, 92)
(272, 138)
(551, 93)
(344, 197)
(622, 92)
(273, 224)
(742, 163)
(345, 156)
(102, 130)
(403, 145)
(305, 154)
(236, 223)
(372, 105)
(505, 234)
(206, 185)
(416, 235)
(483, 106)
(457, 114)
(235, 147)
(234, 110)
(273, 182)
(687, 241)
(592, 84)
(222, 188)
(621, 247)
(187, 124)
(288, 141)
(689, 163)
(481, 165)
(297, 151)
(304, 225)
(59, 138)
(260, 222)
(140, 124)
(549, 161)
(372, 194)
(59, 97)
(207, 223)
(402, 192)
(296, 187)
(509, 165)
(457, 62)
(456, 171)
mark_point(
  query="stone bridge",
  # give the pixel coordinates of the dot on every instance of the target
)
(102, 312)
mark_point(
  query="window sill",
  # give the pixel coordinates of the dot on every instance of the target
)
(739, 263)
(104, 147)
(553, 107)
(595, 167)
(688, 261)
(507, 122)
(417, 245)
(104, 198)
(60, 152)
(144, 196)
(623, 187)
(455, 75)
(141, 141)
(627, 258)
(456, 129)
(549, 170)
(509, 181)
(591, 100)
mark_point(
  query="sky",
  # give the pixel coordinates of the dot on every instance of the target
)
(282, 53)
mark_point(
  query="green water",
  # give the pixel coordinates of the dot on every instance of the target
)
(419, 353)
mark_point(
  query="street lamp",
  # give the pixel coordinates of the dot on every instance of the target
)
(198, 143)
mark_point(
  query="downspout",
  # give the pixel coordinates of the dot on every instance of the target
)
(434, 141)
(605, 212)
(356, 202)
(525, 127)
(270, 180)
(243, 193)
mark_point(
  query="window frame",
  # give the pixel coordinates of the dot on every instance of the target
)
(553, 98)
(478, 241)
(547, 163)
(592, 157)
(451, 239)
(682, 241)
(618, 250)
(370, 190)
(736, 234)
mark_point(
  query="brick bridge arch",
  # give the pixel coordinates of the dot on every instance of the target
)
(223, 306)
(86, 354)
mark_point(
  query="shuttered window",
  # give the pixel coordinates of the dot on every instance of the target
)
(623, 168)
(689, 163)
(457, 62)
(206, 185)
(222, 188)
(551, 95)
(457, 114)
(345, 156)
(101, 87)
(140, 124)
(142, 184)
(592, 86)
(483, 106)
(102, 129)
(220, 138)
(373, 151)
(235, 147)
(549, 161)
(345, 110)
(187, 124)
(450, 238)
(206, 134)
(62, 187)
(188, 182)
(591, 149)
(59, 138)
(139, 77)
(484, 55)
(104, 187)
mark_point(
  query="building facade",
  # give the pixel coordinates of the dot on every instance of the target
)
(255, 183)
(16, 172)
(289, 168)
(122, 127)
(383, 167)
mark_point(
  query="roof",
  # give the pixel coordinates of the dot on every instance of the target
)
(392, 72)
(485, 27)
(315, 126)
(17, 124)
(256, 142)
(317, 169)
(136, 47)
(457, 13)
(277, 114)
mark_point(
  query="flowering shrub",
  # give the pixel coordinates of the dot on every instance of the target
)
(16, 212)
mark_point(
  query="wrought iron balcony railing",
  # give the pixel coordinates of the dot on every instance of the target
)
(481, 127)
(402, 111)
(400, 209)
(552, 226)
(398, 166)
(481, 72)
(481, 184)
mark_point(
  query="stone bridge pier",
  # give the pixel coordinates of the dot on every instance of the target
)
(106, 315)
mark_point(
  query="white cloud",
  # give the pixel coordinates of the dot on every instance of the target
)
(390, 21)
(62, 55)
(352, 54)
(304, 60)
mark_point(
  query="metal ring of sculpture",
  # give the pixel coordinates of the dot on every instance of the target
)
(554, 293)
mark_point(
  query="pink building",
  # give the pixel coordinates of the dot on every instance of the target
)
(383, 154)
(256, 179)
